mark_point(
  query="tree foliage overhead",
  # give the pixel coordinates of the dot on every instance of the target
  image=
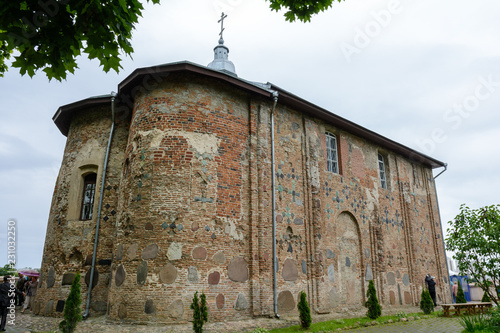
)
(49, 35)
(301, 10)
(474, 237)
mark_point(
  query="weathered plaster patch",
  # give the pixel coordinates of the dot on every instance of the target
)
(202, 143)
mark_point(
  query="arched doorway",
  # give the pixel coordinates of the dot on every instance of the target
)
(349, 260)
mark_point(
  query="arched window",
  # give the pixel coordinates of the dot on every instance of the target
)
(88, 196)
(382, 171)
(332, 161)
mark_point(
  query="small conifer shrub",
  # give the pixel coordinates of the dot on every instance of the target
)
(374, 308)
(72, 311)
(304, 311)
(200, 312)
(460, 294)
(486, 298)
(426, 303)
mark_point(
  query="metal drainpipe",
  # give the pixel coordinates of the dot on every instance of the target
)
(442, 232)
(275, 260)
(96, 240)
(445, 168)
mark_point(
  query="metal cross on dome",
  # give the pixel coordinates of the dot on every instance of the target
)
(222, 17)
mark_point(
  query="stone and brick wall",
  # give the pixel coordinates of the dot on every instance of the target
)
(188, 207)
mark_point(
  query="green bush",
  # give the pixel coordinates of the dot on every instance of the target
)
(460, 294)
(304, 311)
(200, 312)
(485, 298)
(260, 330)
(495, 319)
(72, 311)
(478, 323)
(426, 303)
(374, 308)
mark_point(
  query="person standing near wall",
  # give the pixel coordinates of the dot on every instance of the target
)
(454, 291)
(4, 301)
(431, 285)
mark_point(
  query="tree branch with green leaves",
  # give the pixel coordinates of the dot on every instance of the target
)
(49, 35)
(474, 237)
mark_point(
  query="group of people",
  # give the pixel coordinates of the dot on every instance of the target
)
(25, 291)
(21, 295)
(431, 286)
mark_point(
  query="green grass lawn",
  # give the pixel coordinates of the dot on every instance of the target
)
(333, 325)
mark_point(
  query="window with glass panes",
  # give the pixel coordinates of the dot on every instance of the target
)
(381, 167)
(332, 161)
(88, 196)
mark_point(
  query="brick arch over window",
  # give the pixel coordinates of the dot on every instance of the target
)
(350, 260)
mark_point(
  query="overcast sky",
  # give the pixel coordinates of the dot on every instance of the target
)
(423, 73)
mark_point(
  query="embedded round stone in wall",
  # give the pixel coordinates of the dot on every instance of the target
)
(120, 276)
(174, 251)
(347, 262)
(168, 274)
(214, 278)
(219, 258)
(298, 221)
(220, 300)
(368, 273)
(194, 226)
(148, 226)
(392, 297)
(286, 301)
(406, 279)
(331, 273)
(122, 311)
(367, 253)
(51, 277)
(237, 269)
(132, 251)
(176, 309)
(290, 271)
(150, 252)
(279, 218)
(95, 279)
(241, 303)
(149, 307)
(330, 254)
(68, 278)
(192, 274)
(304, 267)
(407, 297)
(199, 253)
(119, 252)
(391, 279)
(49, 308)
(142, 272)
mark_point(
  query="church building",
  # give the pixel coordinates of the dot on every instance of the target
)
(191, 178)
